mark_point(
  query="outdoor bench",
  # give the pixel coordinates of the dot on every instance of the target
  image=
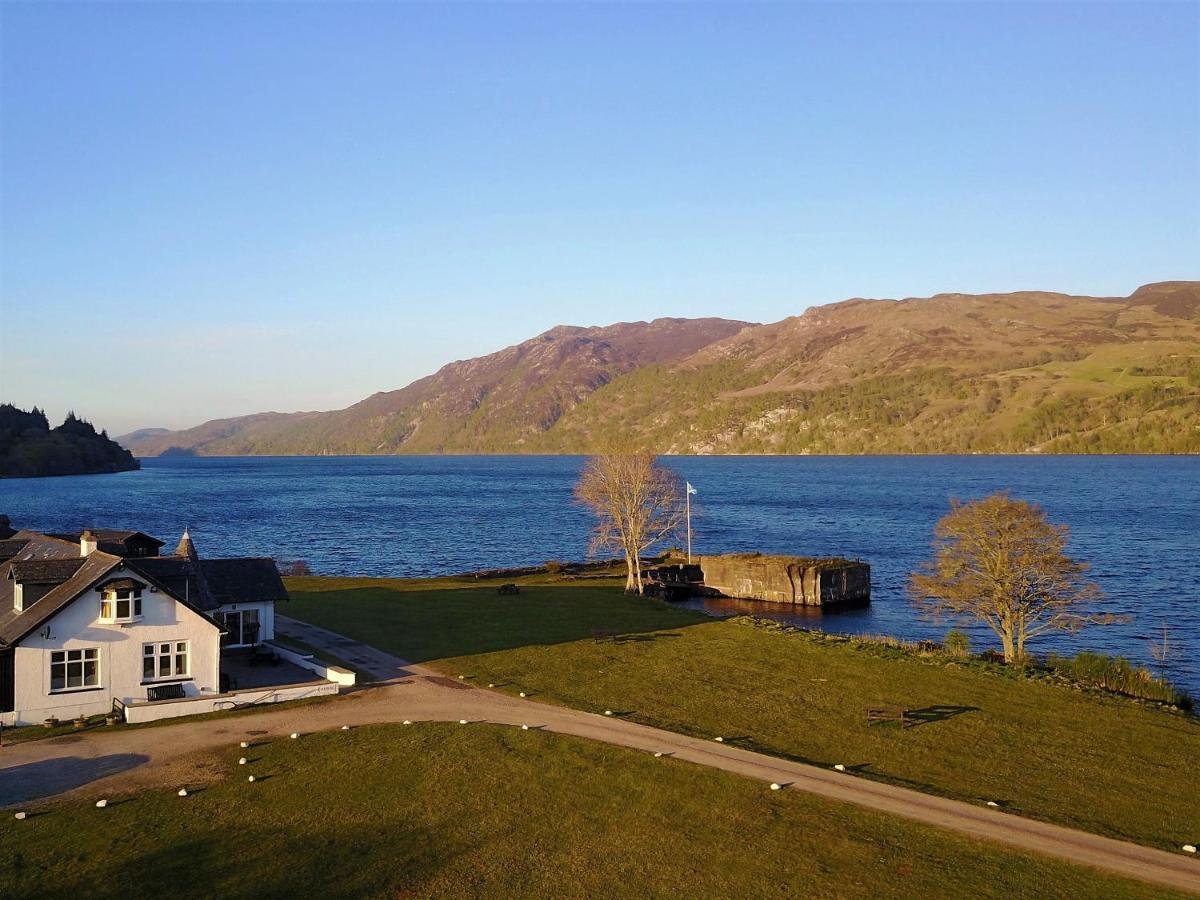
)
(887, 714)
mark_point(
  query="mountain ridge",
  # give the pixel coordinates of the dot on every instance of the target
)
(1025, 371)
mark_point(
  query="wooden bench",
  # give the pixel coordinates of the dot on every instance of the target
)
(165, 692)
(887, 714)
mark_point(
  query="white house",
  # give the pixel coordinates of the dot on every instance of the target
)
(102, 619)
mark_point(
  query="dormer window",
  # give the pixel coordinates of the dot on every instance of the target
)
(120, 604)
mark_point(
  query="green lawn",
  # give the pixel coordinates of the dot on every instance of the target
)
(483, 811)
(1041, 749)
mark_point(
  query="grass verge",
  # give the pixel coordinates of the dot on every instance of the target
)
(441, 810)
(1038, 748)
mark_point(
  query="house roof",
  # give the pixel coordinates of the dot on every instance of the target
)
(15, 625)
(121, 584)
(44, 546)
(10, 547)
(117, 541)
(243, 580)
(114, 535)
(44, 571)
(200, 584)
(209, 583)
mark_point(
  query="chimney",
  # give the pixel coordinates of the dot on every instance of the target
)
(87, 543)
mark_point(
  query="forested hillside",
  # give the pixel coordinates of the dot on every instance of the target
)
(30, 448)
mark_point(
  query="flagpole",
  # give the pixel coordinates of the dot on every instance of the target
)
(688, 495)
(688, 490)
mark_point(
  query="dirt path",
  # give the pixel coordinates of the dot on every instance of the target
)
(128, 758)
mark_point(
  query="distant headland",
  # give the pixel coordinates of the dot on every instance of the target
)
(30, 448)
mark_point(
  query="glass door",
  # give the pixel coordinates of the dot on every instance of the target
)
(250, 626)
(232, 623)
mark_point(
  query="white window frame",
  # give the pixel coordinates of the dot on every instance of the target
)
(75, 658)
(168, 660)
(110, 605)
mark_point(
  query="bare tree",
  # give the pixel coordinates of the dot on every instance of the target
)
(1163, 652)
(1000, 562)
(637, 504)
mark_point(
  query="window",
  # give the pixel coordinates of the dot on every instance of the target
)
(165, 659)
(120, 604)
(72, 670)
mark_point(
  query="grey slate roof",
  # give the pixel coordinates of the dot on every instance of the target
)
(44, 571)
(10, 548)
(243, 580)
(15, 625)
(201, 584)
(117, 541)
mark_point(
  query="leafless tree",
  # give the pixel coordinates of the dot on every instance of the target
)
(1000, 562)
(637, 503)
(1163, 652)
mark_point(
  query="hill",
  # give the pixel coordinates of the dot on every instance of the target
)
(954, 373)
(494, 403)
(30, 448)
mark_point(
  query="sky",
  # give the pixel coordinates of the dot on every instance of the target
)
(215, 209)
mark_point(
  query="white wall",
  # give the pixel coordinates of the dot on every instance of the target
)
(169, 709)
(266, 616)
(336, 674)
(120, 654)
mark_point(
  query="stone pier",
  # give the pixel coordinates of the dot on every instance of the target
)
(800, 580)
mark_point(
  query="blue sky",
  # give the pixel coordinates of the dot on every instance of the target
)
(217, 209)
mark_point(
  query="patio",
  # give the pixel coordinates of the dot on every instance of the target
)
(247, 668)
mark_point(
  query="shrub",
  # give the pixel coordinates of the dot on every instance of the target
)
(957, 643)
(553, 566)
(294, 567)
(1115, 673)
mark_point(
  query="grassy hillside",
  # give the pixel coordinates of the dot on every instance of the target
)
(1039, 748)
(955, 373)
(436, 810)
(490, 404)
(952, 374)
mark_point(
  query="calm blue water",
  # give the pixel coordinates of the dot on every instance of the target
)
(1136, 519)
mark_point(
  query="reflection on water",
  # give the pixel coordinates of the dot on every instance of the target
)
(845, 618)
